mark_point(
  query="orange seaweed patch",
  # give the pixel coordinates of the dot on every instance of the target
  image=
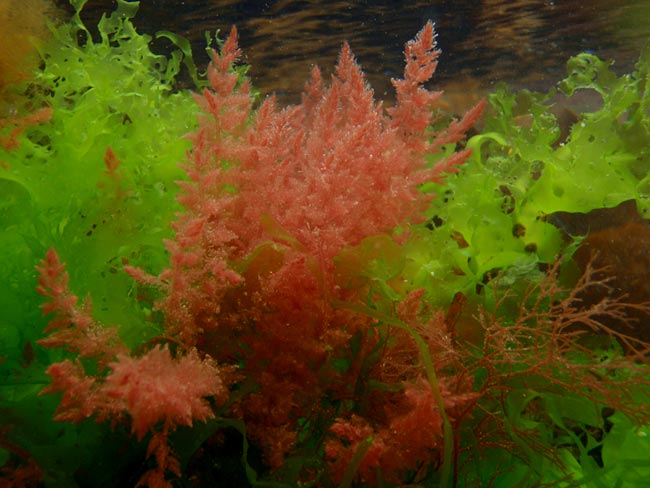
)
(23, 27)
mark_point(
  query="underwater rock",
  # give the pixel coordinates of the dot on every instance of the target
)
(617, 242)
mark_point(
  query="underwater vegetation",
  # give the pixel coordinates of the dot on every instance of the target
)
(202, 289)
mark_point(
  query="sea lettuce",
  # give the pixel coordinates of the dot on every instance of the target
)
(95, 178)
(107, 96)
(499, 213)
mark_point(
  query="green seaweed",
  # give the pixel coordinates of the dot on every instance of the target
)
(500, 207)
(63, 187)
(114, 93)
(60, 189)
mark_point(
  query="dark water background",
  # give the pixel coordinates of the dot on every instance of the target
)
(523, 42)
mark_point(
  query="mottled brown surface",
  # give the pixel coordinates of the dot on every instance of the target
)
(618, 241)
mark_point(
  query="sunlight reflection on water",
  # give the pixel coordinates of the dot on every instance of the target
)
(523, 42)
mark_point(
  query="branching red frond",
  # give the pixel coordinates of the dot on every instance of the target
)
(73, 327)
(166, 462)
(26, 475)
(272, 198)
(413, 110)
(80, 399)
(112, 163)
(219, 72)
(157, 388)
(18, 125)
(159, 393)
(564, 344)
(53, 284)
